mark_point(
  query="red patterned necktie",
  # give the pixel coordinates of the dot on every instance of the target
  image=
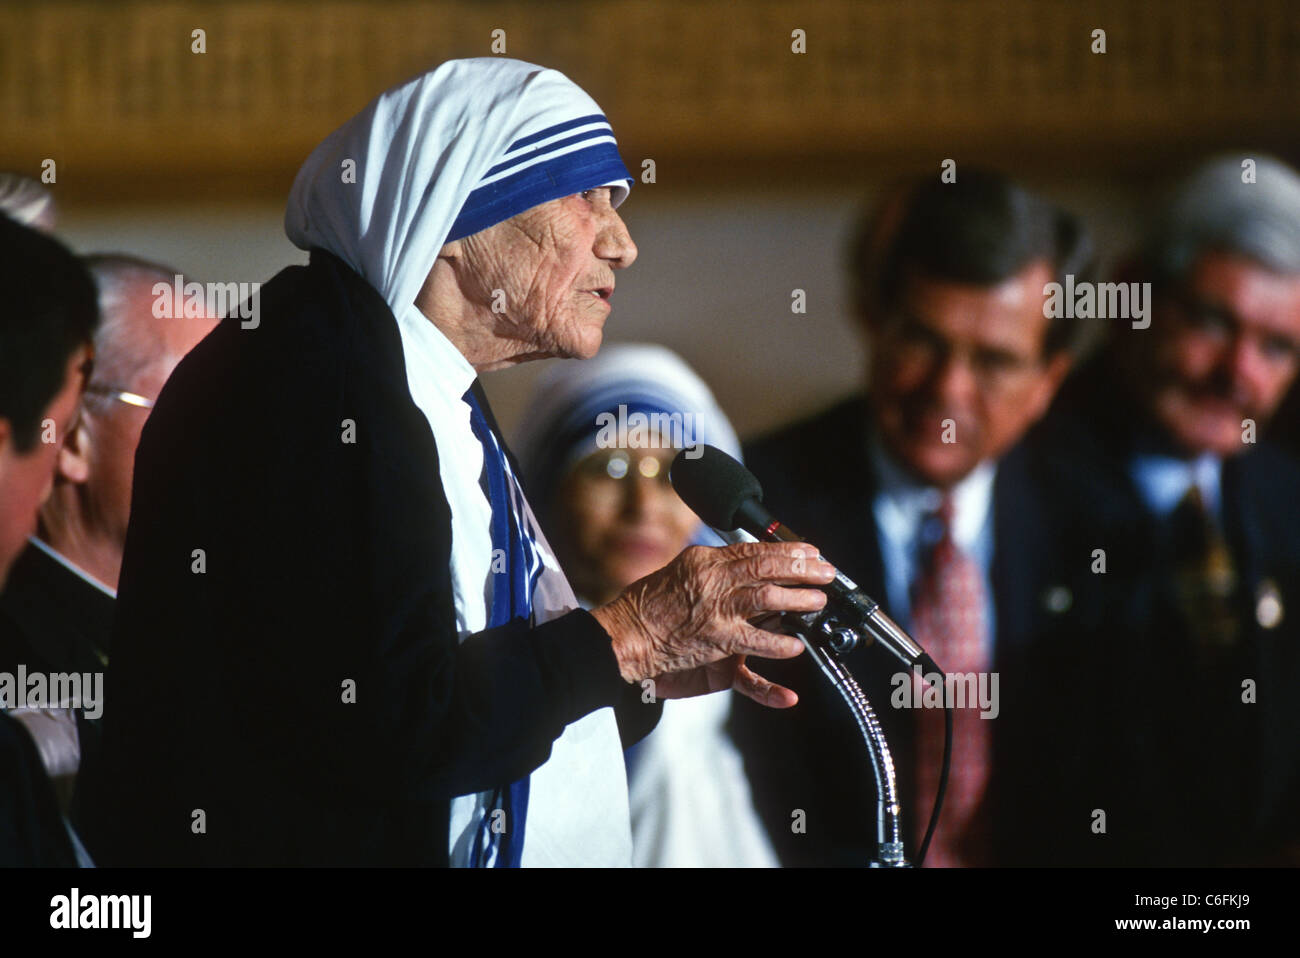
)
(950, 620)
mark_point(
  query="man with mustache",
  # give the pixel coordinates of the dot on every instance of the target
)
(1188, 518)
(918, 491)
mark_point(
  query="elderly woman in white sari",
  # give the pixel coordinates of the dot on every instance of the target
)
(596, 446)
(341, 635)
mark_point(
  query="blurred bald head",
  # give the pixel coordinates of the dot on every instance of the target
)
(135, 348)
(135, 352)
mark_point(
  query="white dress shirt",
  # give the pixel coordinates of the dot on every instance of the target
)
(901, 504)
(1163, 481)
(68, 564)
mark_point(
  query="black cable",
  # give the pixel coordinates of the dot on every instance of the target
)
(926, 661)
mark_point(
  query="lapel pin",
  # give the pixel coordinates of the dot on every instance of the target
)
(1057, 599)
(1268, 604)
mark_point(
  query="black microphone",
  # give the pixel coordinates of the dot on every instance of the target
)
(727, 497)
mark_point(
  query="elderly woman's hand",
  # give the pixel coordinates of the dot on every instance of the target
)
(687, 626)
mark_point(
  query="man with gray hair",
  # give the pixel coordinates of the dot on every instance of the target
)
(58, 605)
(1186, 516)
(135, 352)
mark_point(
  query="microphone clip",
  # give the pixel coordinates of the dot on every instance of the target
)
(827, 630)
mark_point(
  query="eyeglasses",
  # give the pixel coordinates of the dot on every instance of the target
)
(121, 395)
(912, 342)
(618, 464)
(1220, 324)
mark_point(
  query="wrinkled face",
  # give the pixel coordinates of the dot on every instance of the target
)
(26, 478)
(958, 373)
(1222, 348)
(617, 519)
(543, 278)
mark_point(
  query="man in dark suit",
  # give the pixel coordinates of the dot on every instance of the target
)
(45, 354)
(1189, 518)
(58, 604)
(56, 621)
(918, 492)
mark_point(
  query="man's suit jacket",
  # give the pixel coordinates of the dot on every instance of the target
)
(32, 833)
(1192, 772)
(287, 683)
(817, 478)
(1285, 427)
(57, 621)
(53, 620)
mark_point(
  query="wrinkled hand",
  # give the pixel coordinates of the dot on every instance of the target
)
(687, 625)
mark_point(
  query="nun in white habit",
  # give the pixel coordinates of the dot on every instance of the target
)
(613, 517)
(365, 652)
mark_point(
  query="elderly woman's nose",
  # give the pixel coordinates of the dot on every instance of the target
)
(614, 242)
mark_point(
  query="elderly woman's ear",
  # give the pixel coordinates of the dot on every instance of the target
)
(441, 278)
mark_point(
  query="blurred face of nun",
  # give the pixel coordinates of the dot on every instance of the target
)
(541, 281)
(618, 519)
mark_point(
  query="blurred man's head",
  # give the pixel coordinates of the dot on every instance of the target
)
(950, 288)
(1224, 342)
(135, 351)
(46, 324)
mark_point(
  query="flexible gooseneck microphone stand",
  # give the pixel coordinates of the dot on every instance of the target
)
(827, 640)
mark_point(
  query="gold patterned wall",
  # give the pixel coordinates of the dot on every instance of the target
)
(115, 94)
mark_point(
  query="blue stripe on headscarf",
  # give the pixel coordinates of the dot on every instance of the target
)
(556, 129)
(543, 174)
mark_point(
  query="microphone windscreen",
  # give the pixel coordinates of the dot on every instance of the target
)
(713, 484)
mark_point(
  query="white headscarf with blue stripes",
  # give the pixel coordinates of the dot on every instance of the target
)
(561, 423)
(457, 149)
